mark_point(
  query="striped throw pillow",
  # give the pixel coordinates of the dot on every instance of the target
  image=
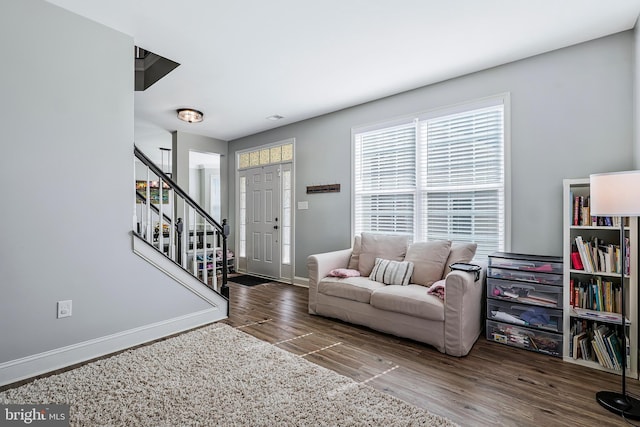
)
(392, 272)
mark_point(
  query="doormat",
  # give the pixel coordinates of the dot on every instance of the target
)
(247, 280)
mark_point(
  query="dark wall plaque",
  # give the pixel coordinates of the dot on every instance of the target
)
(330, 188)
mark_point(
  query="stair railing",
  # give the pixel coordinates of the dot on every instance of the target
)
(171, 221)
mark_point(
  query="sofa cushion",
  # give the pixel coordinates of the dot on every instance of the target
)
(355, 253)
(392, 272)
(391, 247)
(351, 288)
(412, 300)
(429, 260)
(460, 252)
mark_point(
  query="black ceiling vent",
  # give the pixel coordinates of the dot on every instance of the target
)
(149, 68)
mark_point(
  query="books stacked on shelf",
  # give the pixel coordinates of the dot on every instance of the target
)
(598, 343)
(582, 215)
(580, 348)
(597, 256)
(605, 316)
(597, 280)
(596, 294)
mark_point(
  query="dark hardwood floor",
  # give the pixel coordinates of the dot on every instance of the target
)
(494, 385)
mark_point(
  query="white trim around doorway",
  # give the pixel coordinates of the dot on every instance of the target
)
(241, 264)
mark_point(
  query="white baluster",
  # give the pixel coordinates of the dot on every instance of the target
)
(160, 216)
(172, 226)
(185, 230)
(214, 279)
(195, 244)
(149, 235)
(205, 270)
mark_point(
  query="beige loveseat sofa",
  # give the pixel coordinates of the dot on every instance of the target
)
(452, 324)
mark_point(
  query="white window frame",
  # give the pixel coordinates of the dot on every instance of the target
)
(286, 223)
(500, 99)
(242, 216)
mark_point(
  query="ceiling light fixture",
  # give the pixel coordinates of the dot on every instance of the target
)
(189, 115)
(275, 117)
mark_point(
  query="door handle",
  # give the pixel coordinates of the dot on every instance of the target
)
(275, 227)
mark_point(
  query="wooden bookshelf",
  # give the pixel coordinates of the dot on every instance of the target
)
(609, 234)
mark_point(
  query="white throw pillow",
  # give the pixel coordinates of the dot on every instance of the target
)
(392, 272)
(375, 245)
(430, 259)
(460, 252)
(355, 253)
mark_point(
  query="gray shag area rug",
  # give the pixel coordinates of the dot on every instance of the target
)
(216, 376)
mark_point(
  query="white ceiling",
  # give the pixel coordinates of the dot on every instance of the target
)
(244, 60)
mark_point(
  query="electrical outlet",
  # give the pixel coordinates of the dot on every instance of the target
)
(64, 309)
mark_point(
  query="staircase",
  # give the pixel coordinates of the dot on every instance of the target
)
(176, 235)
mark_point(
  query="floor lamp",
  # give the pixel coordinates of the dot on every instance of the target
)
(618, 194)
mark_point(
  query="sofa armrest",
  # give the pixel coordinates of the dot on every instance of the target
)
(319, 266)
(463, 311)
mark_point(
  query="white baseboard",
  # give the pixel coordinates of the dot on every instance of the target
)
(301, 281)
(37, 364)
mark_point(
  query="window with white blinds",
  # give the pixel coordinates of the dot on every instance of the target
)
(435, 177)
(385, 185)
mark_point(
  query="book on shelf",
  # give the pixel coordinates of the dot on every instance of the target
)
(597, 256)
(598, 353)
(572, 289)
(585, 214)
(627, 252)
(576, 261)
(604, 316)
(605, 338)
(580, 342)
(581, 214)
(614, 344)
(584, 254)
(598, 334)
(597, 343)
(577, 350)
(585, 349)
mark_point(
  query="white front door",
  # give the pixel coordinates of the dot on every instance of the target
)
(263, 226)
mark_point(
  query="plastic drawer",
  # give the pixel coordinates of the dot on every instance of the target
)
(526, 315)
(526, 293)
(525, 276)
(522, 337)
(530, 264)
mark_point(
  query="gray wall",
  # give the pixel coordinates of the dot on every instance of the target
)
(67, 172)
(571, 115)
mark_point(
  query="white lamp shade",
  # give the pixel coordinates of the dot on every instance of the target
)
(615, 194)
